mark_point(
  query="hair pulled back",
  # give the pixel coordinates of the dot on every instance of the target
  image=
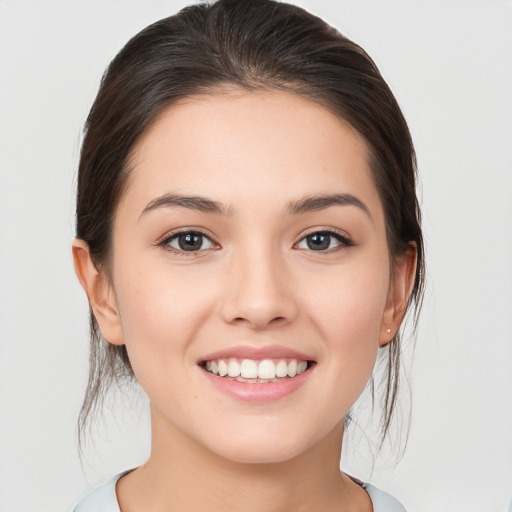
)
(253, 45)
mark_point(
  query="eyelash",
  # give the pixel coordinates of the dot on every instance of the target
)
(164, 243)
(343, 239)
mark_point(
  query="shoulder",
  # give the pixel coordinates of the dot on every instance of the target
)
(102, 498)
(382, 501)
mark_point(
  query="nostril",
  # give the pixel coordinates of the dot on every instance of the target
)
(257, 311)
(278, 319)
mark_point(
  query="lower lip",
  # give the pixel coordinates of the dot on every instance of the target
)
(258, 392)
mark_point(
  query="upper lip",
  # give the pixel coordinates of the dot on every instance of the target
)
(257, 353)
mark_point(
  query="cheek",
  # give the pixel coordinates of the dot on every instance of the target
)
(346, 309)
(160, 312)
(349, 306)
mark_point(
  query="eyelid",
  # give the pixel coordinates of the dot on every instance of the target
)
(164, 241)
(343, 238)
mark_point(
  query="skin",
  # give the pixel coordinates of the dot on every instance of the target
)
(255, 282)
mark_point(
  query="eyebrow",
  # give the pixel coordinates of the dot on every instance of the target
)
(199, 203)
(323, 201)
(300, 206)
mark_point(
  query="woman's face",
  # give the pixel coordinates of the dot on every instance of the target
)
(250, 238)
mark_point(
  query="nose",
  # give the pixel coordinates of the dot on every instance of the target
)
(259, 291)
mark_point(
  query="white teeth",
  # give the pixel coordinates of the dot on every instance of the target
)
(292, 368)
(302, 367)
(281, 369)
(249, 370)
(233, 368)
(223, 368)
(266, 369)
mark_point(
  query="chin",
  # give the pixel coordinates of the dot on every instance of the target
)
(263, 445)
(259, 454)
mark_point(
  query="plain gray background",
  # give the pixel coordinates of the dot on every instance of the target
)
(450, 65)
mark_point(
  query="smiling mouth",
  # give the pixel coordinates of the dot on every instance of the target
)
(257, 371)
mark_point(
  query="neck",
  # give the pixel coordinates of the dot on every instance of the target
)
(182, 475)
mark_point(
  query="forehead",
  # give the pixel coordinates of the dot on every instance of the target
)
(237, 145)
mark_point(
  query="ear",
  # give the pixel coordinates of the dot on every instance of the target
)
(400, 289)
(100, 293)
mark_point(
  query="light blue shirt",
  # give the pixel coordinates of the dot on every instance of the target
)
(104, 499)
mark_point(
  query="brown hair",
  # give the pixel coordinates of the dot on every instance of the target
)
(251, 44)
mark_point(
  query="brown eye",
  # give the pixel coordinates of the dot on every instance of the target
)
(323, 241)
(318, 242)
(189, 241)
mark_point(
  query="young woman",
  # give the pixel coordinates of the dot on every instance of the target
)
(248, 237)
